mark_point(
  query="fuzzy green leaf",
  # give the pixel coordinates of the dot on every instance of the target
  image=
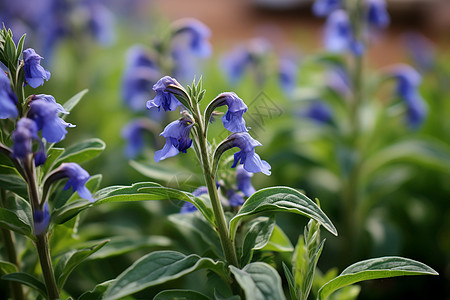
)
(11, 221)
(383, 267)
(28, 280)
(83, 151)
(180, 295)
(259, 281)
(14, 183)
(156, 268)
(281, 199)
(72, 102)
(7, 267)
(257, 237)
(278, 242)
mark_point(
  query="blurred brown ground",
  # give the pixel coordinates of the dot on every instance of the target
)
(234, 21)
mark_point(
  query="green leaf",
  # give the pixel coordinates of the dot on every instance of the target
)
(97, 292)
(19, 49)
(14, 183)
(10, 220)
(163, 173)
(180, 295)
(83, 151)
(308, 278)
(278, 242)
(28, 280)
(156, 268)
(52, 155)
(69, 261)
(257, 236)
(72, 102)
(259, 281)
(202, 204)
(383, 267)
(291, 282)
(7, 267)
(69, 210)
(121, 193)
(281, 199)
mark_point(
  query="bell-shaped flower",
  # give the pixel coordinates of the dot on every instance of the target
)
(243, 179)
(247, 156)
(323, 8)
(197, 34)
(34, 72)
(8, 99)
(45, 114)
(77, 179)
(41, 219)
(165, 98)
(140, 75)
(377, 15)
(177, 139)
(233, 119)
(50, 99)
(339, 36)
(23, 136)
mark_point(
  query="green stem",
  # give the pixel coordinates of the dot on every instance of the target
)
(42, 244)
(221, 223)
(9, 242)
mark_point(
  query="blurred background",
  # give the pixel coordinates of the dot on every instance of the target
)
(85, 45)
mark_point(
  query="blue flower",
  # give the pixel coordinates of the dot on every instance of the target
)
(163, 98)
(41, 219)
(322, 8)
(45, 114)
(100, 22)
(198, 34)
(188, 207)
(133, 133)
(177, 139)
(34, 72)
(77, 179)
(339, 35)
(235, 199)
(8, 99)
(407, 89)
(319, 112)
(421, 50)
(377, 15)
(23, 136)
(247, 156)
(338, 79)
(233, 119)
(243, 179)
(140, 75)
(287, 75)
(50, 99)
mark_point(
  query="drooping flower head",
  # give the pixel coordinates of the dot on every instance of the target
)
(77, 179)
(177, 139)
(407, 89)
(247, 156)
(233, 119)
(8, 99)
(23, 136)
(197, 33)
(164, 98)
(323, 8)
(377, 15)
(45, 114)
(41, 219)
(140, 75)
(339, 36)
(34, 72)
(133, 133)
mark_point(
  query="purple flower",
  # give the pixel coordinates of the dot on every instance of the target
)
(421, 50)
(407, 89)
(338, 79)
(287, 75)
(339, 35)
(247, 156)
(235, 199)
(100, 22)
(319, 112)
(34, 72)
(243, 179)
(197, 33)
(77, 179)
(45, 114)
(50, 99)
(8, 99)
(177, 139)
(322, 8)
(140, 75)
(377, 15)
(163, 98)
(233, 119)
(23, 136)
(41, 219)
(133, 133)
(188, 207)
